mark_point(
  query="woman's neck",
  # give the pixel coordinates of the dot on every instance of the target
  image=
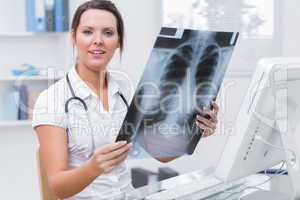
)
(96, 80)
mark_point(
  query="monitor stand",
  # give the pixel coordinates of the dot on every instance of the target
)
(287, 123)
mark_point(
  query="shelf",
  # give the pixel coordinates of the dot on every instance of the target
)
(20, 34)
(16, 123)
(28, 78)
(26, 34)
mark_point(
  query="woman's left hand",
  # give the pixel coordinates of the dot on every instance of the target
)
(209, 124)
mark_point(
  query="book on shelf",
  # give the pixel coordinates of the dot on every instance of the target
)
(47, 15)
(35, 16)
(50, 15)
(23, 93)
(28, 97)
(17, 102)
(61, 11)
(9, 104)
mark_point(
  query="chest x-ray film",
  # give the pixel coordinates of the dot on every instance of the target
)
(183, 74)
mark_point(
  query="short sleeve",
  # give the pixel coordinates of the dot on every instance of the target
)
(49, 109)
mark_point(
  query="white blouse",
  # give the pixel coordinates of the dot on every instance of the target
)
(50, 110)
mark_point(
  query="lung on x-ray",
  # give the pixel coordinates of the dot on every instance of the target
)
(183, 74)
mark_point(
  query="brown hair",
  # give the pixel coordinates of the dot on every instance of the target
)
(101, 5)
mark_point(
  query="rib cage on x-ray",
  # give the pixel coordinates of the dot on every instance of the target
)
(182, 75)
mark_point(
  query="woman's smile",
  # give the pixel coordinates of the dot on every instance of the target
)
(97, 54)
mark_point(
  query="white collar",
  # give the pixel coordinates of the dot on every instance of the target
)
(83, 91)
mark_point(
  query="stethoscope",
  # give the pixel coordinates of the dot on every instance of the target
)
(76, 98)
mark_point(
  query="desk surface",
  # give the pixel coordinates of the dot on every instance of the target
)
(251, 184)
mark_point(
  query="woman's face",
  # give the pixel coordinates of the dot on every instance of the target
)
(96, 38)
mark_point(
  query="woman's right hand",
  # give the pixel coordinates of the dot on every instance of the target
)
(105, 158)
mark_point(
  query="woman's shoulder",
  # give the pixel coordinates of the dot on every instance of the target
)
(56, 88)
(49, 106)
(55, 92)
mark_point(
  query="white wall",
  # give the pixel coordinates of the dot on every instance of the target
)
(18, 169)
(142, 23)
(12, 17)
(42, 50)
(291, 28)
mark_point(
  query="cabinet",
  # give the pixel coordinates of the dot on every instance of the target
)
(19, 16)
(45, 50)
(51, 53)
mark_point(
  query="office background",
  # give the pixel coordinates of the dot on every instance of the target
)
(143, 19)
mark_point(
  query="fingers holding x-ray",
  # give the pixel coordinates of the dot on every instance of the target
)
(105, 158)
(206, 122)
(215, 107)
(211, 114)
(207, 132)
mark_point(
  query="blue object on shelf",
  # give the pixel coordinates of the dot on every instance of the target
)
(61, 11)
(26, 70)
(23, 103)
(50, 15)
(35, 16)
(9, 104)
(47, 15)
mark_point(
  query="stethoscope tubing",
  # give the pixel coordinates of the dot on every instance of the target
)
(76, 98)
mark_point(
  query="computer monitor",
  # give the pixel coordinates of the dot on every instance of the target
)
(267, 129)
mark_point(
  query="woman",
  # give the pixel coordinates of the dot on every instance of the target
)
(77, 166)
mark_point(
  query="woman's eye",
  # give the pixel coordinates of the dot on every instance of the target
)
(87, 32)
(109, 33)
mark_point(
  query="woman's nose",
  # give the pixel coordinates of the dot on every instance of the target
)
(98, 39)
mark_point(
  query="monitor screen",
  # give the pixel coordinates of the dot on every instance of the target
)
(267, 126)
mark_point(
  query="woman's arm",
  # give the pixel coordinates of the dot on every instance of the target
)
(166, 159)
(66, 182)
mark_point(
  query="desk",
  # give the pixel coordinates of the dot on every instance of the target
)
(205, 181)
